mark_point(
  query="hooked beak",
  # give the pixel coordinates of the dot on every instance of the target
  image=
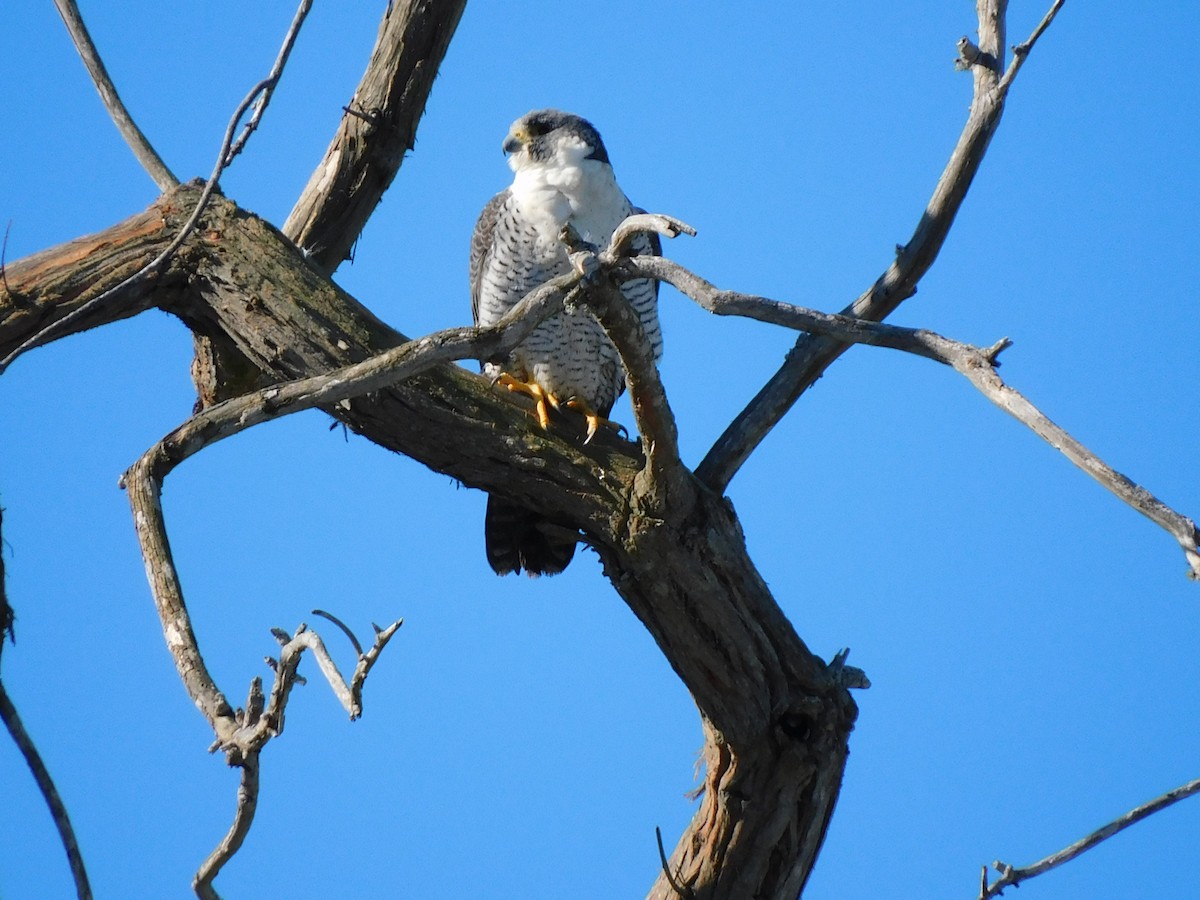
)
(512, 144)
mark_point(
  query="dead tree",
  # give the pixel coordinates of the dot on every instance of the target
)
(274, 336)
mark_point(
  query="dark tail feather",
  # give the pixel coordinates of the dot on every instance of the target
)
(517, 539)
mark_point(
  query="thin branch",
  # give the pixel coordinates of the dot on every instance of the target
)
(643, 223)
(3, 256)
(684, 891)
(349, 693)
(33, 759)
(811, 355)
(344, 628)
(271, 81)
(265, 722)
(977, 364)
(145, 153)
(152, 268)
(1021, 51)
(1180, 527)
(243, 818)
(232, 416)
(1014, 876)
(58, 810)
(6, 611)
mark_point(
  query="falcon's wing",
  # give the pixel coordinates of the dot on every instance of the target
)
(481, 247)
(642, 293)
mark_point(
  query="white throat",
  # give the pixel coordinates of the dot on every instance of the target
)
(569, 189)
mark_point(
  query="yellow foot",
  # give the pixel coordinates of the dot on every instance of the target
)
(594, 419)
(543, 398)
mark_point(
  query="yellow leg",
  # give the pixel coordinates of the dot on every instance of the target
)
(543, 398)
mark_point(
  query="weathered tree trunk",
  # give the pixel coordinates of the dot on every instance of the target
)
(776, 719)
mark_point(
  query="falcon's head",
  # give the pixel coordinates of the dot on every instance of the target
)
(550, 136)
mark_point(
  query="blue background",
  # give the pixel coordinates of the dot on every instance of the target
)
(1031, 641)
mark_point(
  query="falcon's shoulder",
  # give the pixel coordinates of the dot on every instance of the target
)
(481, 245)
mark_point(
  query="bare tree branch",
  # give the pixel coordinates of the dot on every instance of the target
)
(259, 92)
(1021, 51)
(1013, 876)
(33, 759)
(240, 734)
(243, 818)
(811, 356)
(41, 775)
(50, 286)
(262, 722)
(145, 153)
(977, 364)
(378, 128)
(268, 85)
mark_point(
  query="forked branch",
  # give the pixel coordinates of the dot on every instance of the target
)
(260, 93)
(976, 363)
(243, 733)
(813, 354)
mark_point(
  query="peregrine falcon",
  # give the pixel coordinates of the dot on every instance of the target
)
(562, 176)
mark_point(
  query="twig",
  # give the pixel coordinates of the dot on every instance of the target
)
(271, 81)
(58, 810)
(3, 255)
(6, 612)
(849, 677)
(811, 356)
(977, 364)
(349, 693)
(1021, 51)
(681, 890)
(145, 153)
(342, 625)
(641, 223)
(1013, 876)
(152, 268)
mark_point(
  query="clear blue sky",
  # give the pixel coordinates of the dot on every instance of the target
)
(1032, 642)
